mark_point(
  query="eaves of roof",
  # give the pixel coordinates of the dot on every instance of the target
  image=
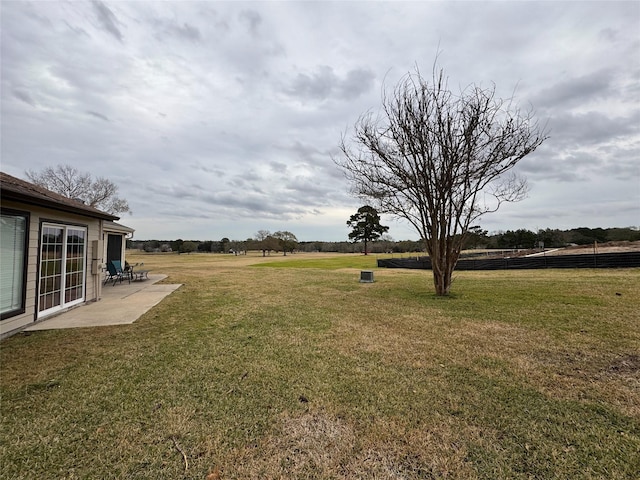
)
(116, 227)
(15, 189)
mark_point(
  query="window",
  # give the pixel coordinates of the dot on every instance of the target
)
(13, 258)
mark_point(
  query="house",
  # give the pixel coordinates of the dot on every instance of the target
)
(52, 250)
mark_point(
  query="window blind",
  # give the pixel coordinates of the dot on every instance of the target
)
(12, 255)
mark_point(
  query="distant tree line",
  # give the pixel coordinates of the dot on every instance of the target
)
(476, 238)
(280, 241)
(549, 238)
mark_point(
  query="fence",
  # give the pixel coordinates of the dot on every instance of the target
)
(600, 260)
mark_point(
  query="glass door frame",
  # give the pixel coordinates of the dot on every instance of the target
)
(62, 272)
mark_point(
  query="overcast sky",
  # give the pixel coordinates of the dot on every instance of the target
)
(219, 119)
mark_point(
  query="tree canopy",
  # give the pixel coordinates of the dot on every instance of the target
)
(366, 226)
(286, 240)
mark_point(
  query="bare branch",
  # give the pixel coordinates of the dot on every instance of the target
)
(66, 180)
(432, 154)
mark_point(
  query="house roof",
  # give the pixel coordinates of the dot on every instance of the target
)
(12, 188)
(116, 227)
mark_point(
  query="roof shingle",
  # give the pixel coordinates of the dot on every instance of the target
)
(12, 188)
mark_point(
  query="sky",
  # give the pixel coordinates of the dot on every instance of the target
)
(220, 119)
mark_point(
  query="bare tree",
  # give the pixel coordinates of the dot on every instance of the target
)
(440, 160)
(100, 193)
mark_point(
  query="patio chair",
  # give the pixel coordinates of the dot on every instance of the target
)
(138, 272)
(115, 272)
(126, 270)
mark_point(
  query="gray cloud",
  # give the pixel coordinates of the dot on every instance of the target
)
(186, 32)
(278, 166)
(25, 97)
(98, 115)
(592, 128)
(312, 192)
(253, 20)
(107, 19)
(317, 86)
(324, 83)
(219, 119)
(565, 167)
(576, 92)
(77, 30)
(169, 27)
(356, 83)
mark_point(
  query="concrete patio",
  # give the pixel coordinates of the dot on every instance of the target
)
(121, 304)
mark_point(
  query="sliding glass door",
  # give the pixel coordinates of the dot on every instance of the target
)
(62, 267)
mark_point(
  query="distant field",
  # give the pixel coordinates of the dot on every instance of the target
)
(330, 261)
(288, 367)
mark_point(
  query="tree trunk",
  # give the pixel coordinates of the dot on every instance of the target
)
(440, 281)
(442, 273)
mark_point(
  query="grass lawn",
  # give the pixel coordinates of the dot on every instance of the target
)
(288, 367)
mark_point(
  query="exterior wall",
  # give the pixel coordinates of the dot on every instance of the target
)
(93, 279)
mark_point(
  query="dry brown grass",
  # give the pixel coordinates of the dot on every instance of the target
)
(316, 444)
(270, 372)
